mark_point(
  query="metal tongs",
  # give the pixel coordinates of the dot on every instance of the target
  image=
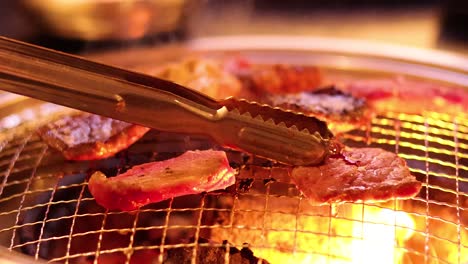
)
(283, 136)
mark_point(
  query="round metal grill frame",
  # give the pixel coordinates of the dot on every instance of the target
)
(393, 129)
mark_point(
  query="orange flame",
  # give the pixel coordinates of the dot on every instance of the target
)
(355, 234)
(353, 239)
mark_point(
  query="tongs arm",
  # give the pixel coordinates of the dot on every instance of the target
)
(145, 100)
(97, 88)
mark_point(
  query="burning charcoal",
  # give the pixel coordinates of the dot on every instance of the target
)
(245, 184)
(268, 181)
(211, 254)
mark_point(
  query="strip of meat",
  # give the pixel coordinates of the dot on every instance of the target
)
(340, 110)
(85, 136)
(404, 95)
(191, 173)
(298, 88)
(277, 78)
(365, 174)
(203, 75)
(89, 137)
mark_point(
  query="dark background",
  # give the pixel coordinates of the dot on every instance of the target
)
(427, 24)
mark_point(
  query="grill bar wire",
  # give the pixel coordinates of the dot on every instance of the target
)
(362, 227)
(101, 234)
(129, 251)
(426, 155)
(231, 222)
(263, 241)
(12, 163)
(296, 225)
(75, 214)
(457, 189)
(368, 141)
(164, 231)
(432, 136)
(23, 197)
(330, 213)
(395, 241)
(172, 246)
(397, 127)
(43, 224)
(197, 230)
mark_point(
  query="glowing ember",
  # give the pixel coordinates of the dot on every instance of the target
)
(357, 234)
(351, 241)
(383, 235)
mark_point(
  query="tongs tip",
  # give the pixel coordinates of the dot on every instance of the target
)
(280, 135)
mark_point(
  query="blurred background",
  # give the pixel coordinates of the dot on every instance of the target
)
(82, 26)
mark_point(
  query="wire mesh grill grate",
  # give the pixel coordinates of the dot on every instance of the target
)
(47, 212)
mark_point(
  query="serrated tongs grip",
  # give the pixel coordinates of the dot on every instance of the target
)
(137, 98)
(285, 136)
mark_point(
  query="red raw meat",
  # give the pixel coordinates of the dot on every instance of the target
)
(191, 173)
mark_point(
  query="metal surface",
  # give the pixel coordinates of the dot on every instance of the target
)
(46, 211)
(79, 83)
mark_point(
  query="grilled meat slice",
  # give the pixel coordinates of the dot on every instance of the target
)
(191, 173)
(340, 110)
(85, 136)
(364, 174)
(298, 88)
(206, 76)
(410, 96)
(276, 78)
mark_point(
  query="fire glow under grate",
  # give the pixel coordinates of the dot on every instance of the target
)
(47, 211)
